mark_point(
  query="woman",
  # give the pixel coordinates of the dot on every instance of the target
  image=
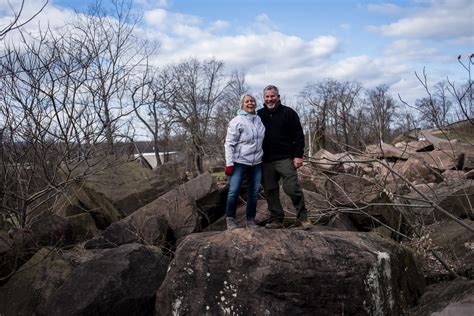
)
(243, 155)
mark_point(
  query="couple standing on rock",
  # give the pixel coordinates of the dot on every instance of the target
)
(266, 145)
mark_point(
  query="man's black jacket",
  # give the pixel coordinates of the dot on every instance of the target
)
(284, 137)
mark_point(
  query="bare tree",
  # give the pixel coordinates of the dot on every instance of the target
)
(150, 98)
(199, 87)
(34, 129)
(320, 97)
(464, 95)
(47, 84)
(381, 108)
(347, 98)
(435, 108)
(406, 121)
(16, 23)
(438, 109)
(117, 54)
(332, 105)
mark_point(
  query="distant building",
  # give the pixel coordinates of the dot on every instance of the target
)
(174, 156)
(415, 134)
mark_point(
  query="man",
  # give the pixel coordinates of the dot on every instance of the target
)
(283, 148)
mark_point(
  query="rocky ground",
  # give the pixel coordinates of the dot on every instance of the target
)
(392, 235)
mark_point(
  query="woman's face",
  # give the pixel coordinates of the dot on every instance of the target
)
(249, 104)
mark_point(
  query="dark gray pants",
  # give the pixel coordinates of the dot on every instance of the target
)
(284, 170)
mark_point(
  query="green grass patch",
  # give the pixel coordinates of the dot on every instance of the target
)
(219, 174)
(464, 135)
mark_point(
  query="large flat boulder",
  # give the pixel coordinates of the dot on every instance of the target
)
(20, 244)
(288, 272)
(451, 242)
(173, 215)
(417, 171)
(420, 145)
(118, 281)
(455, 196)
(415, 146)
(110, 189)
(441, 160)
(453, 298)
(460, 148)
(325, 160)
(366, 203)
(456, 147)
(30, 288)
(384, 150)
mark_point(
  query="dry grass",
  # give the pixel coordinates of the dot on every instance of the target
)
(463, 132)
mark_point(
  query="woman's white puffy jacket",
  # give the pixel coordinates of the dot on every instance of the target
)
(243, 142)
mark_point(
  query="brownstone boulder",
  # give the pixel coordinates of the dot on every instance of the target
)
(386, 151)
(454, 298)
(118, 281)
(111, 190)
(366, 203)
(441, 160)
(179, 212)
(288, 272)
(456, 197)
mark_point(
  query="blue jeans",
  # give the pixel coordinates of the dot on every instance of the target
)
(254, 175)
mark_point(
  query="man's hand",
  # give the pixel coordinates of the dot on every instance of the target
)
(229, 170)
(297, 162)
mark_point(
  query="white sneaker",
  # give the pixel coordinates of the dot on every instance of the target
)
(251, 223)
(231, 223)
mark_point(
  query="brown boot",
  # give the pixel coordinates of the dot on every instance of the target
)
(274, 225)
(305, 224)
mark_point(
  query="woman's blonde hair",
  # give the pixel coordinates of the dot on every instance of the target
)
(242, 98)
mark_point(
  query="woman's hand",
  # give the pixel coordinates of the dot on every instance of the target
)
(229, 170)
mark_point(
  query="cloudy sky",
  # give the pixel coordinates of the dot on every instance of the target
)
(290, 43)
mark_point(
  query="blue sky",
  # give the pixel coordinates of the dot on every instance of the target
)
(293, 42)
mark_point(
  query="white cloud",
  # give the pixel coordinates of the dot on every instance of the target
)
(264, 23)
(218, 25)
(354, 68)
(155, 3)
(163, 20)
(464, 40)
(51, 16)
(345, 26)
(384, 8)
(268, 55)
(323, 46)
(253, 50)
(155, 17)
(443, 19)
(410, 50)
(8, 8)
(408, 89)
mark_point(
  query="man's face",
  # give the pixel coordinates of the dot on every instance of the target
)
(271, 99)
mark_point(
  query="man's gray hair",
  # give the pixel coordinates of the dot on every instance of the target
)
(270, 87)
